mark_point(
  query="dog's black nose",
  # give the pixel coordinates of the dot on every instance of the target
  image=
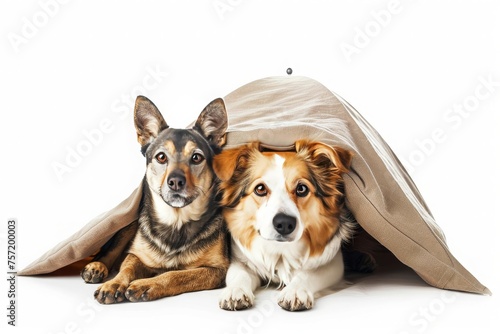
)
(176, 181)
(284, 224)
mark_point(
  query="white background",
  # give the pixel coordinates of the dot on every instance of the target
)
(68, 67)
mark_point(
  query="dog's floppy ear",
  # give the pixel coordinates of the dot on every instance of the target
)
(232, 167)
(229, 161)
(148, 121)
(326, 156)
(212, 123)
(224, 163)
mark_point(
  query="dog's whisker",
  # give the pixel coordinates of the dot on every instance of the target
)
(201, 190)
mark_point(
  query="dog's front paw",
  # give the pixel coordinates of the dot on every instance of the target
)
(295, 299)
(111, 292)
(142, 290)
(233, 299)
(94, 272)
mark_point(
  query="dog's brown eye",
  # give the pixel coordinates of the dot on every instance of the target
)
(302, 190)
(260, 190)
(161, 158)
(197, 158)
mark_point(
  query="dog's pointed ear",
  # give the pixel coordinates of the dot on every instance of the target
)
(326, 156)
(148, 121)
(212, 123)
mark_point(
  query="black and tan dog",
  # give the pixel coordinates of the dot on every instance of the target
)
(179, 243)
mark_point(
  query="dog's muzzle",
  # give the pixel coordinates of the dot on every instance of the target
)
(176, 192)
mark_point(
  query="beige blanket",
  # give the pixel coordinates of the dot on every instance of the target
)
(277, 111)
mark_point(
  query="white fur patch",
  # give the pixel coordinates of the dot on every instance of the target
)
(175, 217)
(278, 261)
(278, 201)
(287, 263)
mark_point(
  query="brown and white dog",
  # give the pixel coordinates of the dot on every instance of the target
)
(286, 214)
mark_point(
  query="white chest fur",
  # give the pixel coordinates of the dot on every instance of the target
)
(278, 262)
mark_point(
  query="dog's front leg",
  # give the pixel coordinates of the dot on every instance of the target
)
(97, 270)
(240, 285)
(175, 282)
(113, 291)
(298, 295)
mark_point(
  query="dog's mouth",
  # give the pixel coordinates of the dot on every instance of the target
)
(177, 201)
(277, 237)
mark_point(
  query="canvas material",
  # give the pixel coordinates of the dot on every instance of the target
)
(386, 203)
(277, 111)
(88, 240)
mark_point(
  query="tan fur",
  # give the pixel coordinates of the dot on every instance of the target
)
(245, 233)
(287, 218)
(225, 163)
(188, 149)
(198, 271)
(95, 268)
(211, 257)
(180, 241)
(169, 146)
(320, 215)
